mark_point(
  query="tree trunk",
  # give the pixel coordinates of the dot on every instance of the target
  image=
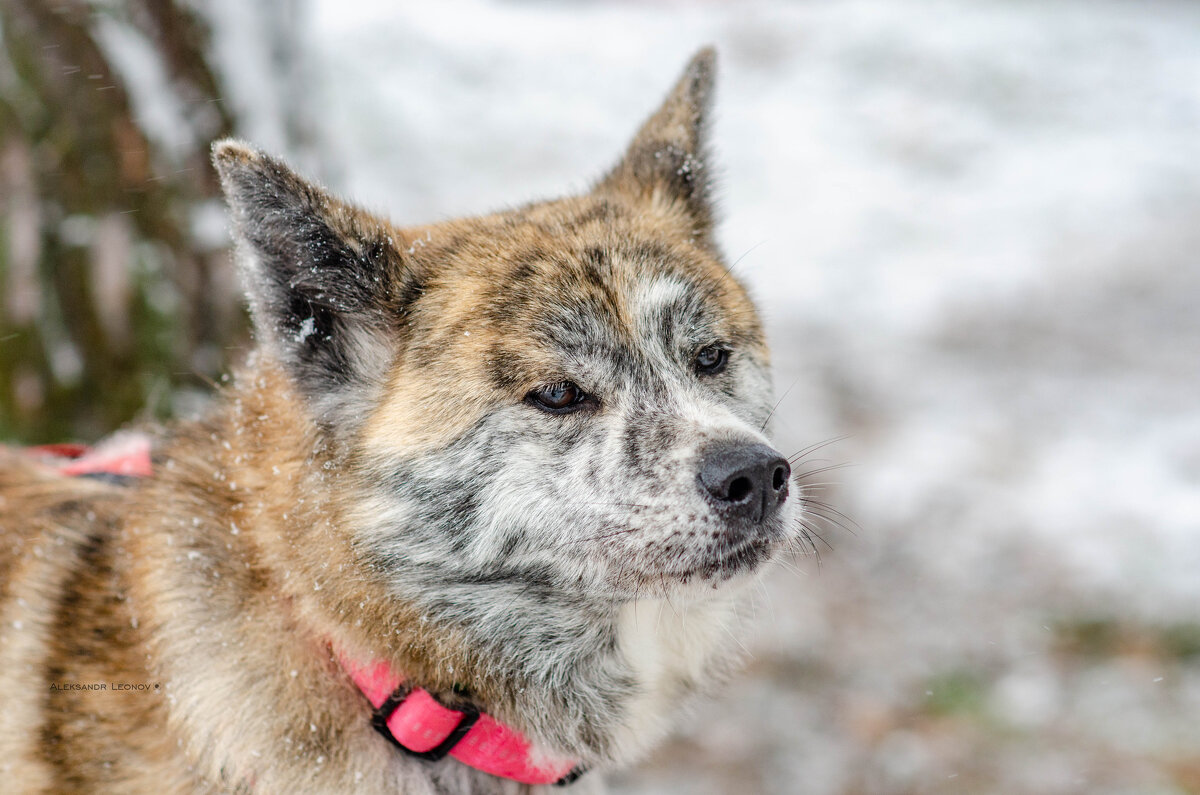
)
(118, 297)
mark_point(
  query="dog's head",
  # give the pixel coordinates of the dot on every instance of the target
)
(570, 395)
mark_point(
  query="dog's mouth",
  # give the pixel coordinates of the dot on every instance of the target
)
(739, 559)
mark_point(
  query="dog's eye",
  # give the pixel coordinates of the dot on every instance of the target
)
(560, 398)
(711, 360)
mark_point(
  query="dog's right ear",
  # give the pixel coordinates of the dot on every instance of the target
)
(668, 158)
(324, 279)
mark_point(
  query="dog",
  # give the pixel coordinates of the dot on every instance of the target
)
(476, 515)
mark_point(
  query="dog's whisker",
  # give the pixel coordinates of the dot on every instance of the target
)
(619, 505)
(783, 563)
(746, 253)
(599, 537)
(811, 533)
(761, 587)
(819, 470)
(820, 485)
(771, 413)
(826, 521)
(822, 509)
(741, 644)
(814, 447)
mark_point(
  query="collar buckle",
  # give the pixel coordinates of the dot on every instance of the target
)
(379, 719)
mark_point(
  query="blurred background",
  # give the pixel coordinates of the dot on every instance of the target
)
(974, 230)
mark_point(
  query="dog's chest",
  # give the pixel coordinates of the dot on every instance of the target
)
(669, 648)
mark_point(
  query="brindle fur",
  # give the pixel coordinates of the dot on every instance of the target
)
(374, 477)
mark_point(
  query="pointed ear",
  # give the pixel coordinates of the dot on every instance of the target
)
(323, 279)
(668, 157)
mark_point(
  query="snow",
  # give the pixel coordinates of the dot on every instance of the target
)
(973, 228)
(308, 327)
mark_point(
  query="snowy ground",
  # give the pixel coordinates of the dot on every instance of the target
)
(974, 228)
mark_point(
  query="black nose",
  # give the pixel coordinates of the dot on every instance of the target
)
(746, 481)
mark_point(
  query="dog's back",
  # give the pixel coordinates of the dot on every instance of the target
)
(66, 644)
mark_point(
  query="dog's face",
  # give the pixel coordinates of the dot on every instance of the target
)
(569, 396)
(583, 410)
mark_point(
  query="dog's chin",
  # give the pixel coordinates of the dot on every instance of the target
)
(697, 574)
(738, 560)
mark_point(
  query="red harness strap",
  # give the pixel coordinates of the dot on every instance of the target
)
(414, 721)
(126, 454)
(410, 718)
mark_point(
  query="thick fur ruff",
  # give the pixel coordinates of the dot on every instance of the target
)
(481, 450)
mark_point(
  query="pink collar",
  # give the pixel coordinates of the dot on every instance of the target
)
(417, 724)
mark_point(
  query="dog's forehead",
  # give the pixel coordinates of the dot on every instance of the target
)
(580, 275)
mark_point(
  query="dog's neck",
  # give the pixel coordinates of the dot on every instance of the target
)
(664, 650)
(600, 682)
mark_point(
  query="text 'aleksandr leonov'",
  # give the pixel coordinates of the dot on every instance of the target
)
(102, 686)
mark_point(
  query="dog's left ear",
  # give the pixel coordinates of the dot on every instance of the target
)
(325, 279)
(667, 161)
